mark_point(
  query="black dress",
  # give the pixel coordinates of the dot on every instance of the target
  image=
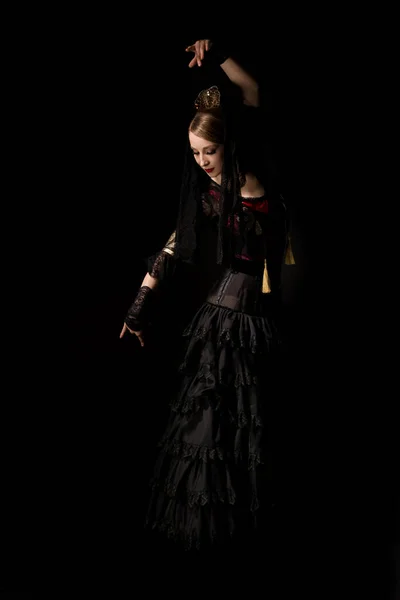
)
(213, 476)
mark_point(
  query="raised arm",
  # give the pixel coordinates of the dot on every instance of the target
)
(233, 70)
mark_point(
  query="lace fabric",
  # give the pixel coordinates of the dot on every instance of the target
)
(139, 311)
(161, 265)
(214, 475)
(195, 182)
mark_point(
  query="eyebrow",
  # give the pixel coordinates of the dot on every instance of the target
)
(205, 147)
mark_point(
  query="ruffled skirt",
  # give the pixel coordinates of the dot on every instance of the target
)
(213, 474)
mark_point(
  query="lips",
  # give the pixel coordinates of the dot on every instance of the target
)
(209, 170)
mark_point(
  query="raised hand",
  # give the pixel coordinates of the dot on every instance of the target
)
(199, 49)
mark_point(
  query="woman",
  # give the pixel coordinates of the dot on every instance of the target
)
(213, 476)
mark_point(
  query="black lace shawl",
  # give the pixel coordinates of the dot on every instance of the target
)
(241, 154)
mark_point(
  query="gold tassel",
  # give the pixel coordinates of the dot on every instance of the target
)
(170, 245)
(266, 289)
(289, 257)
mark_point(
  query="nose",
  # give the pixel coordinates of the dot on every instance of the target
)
(204, 160)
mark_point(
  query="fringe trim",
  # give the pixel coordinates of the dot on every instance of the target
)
(184, 450)
(193, 498)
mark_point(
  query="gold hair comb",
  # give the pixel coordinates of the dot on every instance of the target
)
(209, 98)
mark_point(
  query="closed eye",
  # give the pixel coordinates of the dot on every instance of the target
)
(209, 152)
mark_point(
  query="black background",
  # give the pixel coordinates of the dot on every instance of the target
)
(115, 106)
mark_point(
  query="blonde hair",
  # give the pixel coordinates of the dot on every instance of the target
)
(208, 124)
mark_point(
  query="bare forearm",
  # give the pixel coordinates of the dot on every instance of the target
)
(243, 80)
(149, 281)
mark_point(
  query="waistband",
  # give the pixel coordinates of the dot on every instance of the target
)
(238, 291)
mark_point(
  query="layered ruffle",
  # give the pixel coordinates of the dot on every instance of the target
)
(213, 471)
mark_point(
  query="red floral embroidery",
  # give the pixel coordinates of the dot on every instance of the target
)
(235, 223)
(214, 193)
(259, 206)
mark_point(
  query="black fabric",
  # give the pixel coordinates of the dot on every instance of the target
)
(217, 53)
(262, 234)
(161, 266)
(242, 153)
(215, 468)
(139, 312)
(213, 479)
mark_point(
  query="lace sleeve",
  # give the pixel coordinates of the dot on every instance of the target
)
(161, 265)
(138, 314)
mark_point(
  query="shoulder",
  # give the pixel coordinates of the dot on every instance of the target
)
(253, 188)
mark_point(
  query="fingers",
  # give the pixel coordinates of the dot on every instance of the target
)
(202, 49)
(139, 334)
(199, 48)
(193, 62)
(125, 329)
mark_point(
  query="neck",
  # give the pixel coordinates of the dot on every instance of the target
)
(217, 179)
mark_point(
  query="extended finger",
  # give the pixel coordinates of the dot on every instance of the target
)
(198, 52)
(196, 59)
(202, 46)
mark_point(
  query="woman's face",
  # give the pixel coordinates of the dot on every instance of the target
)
(208, 155)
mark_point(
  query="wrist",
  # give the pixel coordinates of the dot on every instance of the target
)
(218, 53)
(138, 314)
